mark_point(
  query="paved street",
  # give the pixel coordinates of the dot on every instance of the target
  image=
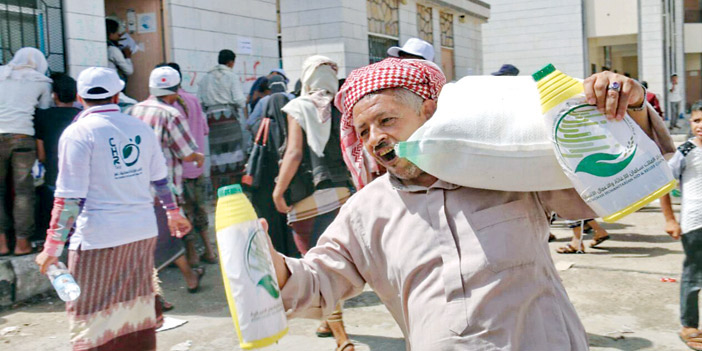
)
(616, 290)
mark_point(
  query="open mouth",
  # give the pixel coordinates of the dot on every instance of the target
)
(387, 155)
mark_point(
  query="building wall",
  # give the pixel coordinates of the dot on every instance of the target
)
(84, 22)
(610, 18)
(199, 29)
(339, 29)
(532, 33)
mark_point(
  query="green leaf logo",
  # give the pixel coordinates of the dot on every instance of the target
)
(268, 283)
(597, 165)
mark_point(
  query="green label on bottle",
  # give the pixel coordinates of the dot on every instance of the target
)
(258, 264)
(585, 146)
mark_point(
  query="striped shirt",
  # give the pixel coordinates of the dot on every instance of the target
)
(172, 131)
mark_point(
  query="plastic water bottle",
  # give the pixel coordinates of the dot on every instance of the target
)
(63, 282)
(613, 165)
(249, 277)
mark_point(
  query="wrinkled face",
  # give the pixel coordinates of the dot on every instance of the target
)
(382, 120)
(696, 123)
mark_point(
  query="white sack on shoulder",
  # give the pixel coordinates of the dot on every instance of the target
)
(488, 132)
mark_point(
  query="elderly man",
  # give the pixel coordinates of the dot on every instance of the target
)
(457, 267)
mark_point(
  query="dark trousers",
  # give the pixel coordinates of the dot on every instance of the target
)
(691, 278)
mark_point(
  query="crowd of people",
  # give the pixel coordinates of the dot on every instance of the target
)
(126, 190)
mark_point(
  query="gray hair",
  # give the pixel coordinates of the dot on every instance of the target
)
(404, 96)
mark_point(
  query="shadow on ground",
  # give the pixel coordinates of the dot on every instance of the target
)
(380, 343)
(365, 299)
(628, 343)
(632, 252)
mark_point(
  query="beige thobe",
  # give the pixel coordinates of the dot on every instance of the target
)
(458, 268)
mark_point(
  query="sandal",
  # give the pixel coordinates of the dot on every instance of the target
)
(336, 325)
(692, 340)
(344, 345)
(569, 249)
(323, 330)
(600, 240)
(200, 271)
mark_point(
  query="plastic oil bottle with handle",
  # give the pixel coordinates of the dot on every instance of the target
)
(249, 277)
(613, 165)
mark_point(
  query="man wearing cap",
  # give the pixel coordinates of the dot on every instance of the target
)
(194, 180)
(107, 163)
(458, 268)
(414, 48)
(178, 145)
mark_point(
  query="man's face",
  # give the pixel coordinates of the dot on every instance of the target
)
(674, 79)
(382, 120)
(114, 36)
(696, 123)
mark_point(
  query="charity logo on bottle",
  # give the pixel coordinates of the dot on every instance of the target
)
(258, 265)
(582, 143)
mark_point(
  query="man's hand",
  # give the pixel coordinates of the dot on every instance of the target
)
(672, 227)
(610, 101)
(127, 52)
(44, 260)
(196, 157)
(281, 269)
(177, 224)
(279, 201)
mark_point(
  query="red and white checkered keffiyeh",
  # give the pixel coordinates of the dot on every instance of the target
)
(423, 78)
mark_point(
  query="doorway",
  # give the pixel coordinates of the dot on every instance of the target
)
(144, 22)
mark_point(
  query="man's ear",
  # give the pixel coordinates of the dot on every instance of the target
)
(115, 99)
(428, 108)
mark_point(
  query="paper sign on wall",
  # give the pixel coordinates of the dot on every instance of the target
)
(244, 46)
(146, 22)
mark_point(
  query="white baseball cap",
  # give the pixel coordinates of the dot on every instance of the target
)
(98, 83)
(163, 81)
(414, 46)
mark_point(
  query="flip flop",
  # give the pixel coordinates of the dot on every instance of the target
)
(569, 249)
(323, 331)
(597, 241)
(200, 271)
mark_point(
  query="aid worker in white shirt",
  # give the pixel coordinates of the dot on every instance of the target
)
(108, 163)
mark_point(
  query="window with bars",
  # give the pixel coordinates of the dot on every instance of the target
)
(35, 23)
(425, 23)
(383, 27)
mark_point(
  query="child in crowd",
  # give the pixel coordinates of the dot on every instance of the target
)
(687, 168)
(48, 126)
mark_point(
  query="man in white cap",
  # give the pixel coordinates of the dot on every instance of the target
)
(107, 163)
(414, 48)
(178, 145)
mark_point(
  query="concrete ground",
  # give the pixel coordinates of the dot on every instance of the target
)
(616, 290)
